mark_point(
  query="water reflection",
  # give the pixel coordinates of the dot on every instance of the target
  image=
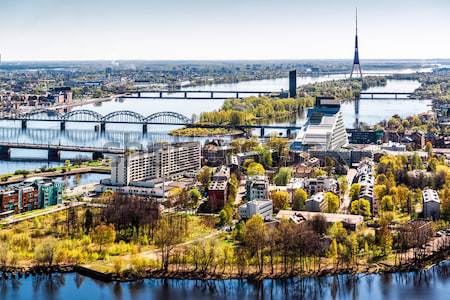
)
(429, 284)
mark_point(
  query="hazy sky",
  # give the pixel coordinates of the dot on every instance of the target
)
(222, 29)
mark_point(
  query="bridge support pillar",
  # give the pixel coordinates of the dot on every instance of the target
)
(185, 95)
(24, 124)
(262, 132)
(5, 153)
(395, 96)
(139, 94)
(160, 94)
(63, 126)
(357, 100)
(288, 132)
(372, 96)
(102, 127)
(54, 155)
(237, 95)
(212, 94)
(97, 155)
(144, 128)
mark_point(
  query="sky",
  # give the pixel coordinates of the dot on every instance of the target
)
(222, 29)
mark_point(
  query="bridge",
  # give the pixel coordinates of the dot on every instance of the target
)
(128, 117)
(54, 150)
(195, 94)
(385, 94)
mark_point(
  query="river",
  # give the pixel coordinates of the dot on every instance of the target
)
(433, 284)
(371, 112)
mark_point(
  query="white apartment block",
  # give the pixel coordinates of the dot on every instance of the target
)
(431, 204)
(264, 208)
(161, 161)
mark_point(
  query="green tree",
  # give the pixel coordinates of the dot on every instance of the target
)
(387, 203)
(283, 176)
(445, 203)
(265, 156)
(255, 169)
(194, 197)
(226, 215)
(204, 177)
(343, 184)
(280, 200)
(332, 202)
(254, 239)
(361, 207)
(429, 149)
(355, 189)
(299, 198)
(333, 252)
(337, 232)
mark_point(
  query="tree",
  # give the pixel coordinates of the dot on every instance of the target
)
(280, 200)
(45, 252)
(445, 203)
(254, 237)
(255, 169)
(168, 233)
(103, 234)
(355, 189)
(337, 232)
(194, 197)
(333, 252)
(343, 184)
(361, 207)
(226, 215)
(265, 156)
(283, 176)
(299, 198)
(379, 191)
(281, 146)
(233, 188)
(416, 161)
(332, 201)
(429, 149)
(387, 203)
(204, 177)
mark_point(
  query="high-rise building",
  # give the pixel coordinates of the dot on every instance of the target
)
(324, 129)
(293, 83)
(160, 161)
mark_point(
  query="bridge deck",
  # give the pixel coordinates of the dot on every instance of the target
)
(61, 148)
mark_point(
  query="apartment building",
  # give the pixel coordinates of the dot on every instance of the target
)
(167, 161)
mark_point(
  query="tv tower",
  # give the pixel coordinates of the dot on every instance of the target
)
(356, 69)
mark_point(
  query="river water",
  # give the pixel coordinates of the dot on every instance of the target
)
(371, 112)
(433, 284)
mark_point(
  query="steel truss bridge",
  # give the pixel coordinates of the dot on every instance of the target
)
(127, 117)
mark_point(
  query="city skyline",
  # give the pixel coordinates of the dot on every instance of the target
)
(202, 30)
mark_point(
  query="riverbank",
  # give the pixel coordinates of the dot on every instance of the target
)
(59, 172)
(129, 276)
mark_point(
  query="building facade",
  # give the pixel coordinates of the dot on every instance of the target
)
(257, 188)
(263, 208)
(31, 194)
(161, 161)
(431, 204)
(324, 129)
(316, 203)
